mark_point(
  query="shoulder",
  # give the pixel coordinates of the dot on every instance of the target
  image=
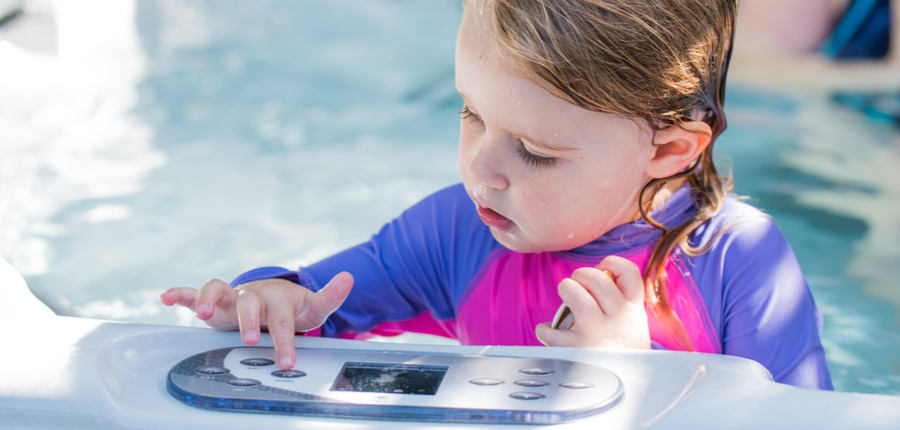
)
(739, 227)
(448, 221)
(448, 210)
(750, 259)
(450, 201)
(745, 252)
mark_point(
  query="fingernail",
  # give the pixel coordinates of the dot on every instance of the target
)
(251, 335)
(202, 309)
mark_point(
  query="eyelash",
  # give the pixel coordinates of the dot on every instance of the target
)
(466, 113)
(533, 160)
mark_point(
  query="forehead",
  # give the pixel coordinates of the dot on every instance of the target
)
(474, 48)
(498, 93)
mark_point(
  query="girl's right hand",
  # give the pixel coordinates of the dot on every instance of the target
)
(278, 305)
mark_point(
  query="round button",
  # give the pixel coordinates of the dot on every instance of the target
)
(243, 382)
(211, 370)
(536, 371)
(257, 362)
(486, 381)
(290, 373)
(534, 383)
(525, 395)
(575, 385)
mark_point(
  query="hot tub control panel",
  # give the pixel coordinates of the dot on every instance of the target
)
(396, 385)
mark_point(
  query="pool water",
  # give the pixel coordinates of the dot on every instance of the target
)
(205, 138)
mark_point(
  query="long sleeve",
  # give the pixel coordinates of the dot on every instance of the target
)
(410, 275)
(760, 301)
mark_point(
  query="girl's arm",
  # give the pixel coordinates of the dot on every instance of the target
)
(415, 268)
(407, 277)
(764, 309)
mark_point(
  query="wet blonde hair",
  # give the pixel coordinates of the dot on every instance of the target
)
(662, 61)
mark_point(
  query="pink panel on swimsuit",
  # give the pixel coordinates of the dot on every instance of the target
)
(518, 291)
(422, 323)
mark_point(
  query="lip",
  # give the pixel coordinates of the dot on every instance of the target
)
(493, 219)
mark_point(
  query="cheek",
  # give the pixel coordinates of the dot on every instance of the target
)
(549, 202)
(465, 142)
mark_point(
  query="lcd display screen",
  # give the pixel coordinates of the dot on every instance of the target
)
(390, 378)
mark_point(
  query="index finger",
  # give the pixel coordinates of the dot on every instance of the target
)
(280, 321)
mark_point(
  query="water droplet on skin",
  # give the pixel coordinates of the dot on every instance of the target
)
(519, 103)
(571, 235)
(555, 134)
(543, 204)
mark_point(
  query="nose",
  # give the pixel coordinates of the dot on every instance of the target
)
(483, 162)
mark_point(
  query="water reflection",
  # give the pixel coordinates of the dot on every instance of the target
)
(170, 141)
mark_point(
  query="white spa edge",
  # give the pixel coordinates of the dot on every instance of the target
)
(75, 373)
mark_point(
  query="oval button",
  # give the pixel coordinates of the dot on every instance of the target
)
(532, 383)
(257, 362)
(536, 371)
(486, 381)
(211, 370)
(525, 395)
(290, 373)
(243, 382)
(575, 385)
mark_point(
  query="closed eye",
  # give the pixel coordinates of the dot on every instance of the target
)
(534, 160)
(466, 113)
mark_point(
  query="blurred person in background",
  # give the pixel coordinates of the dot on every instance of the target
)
(849, 48)
(837, 45)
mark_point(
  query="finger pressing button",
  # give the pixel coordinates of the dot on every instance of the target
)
(290, 373)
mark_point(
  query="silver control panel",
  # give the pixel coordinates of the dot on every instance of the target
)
(396, 385)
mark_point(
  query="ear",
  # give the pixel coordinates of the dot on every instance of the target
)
(677, 146)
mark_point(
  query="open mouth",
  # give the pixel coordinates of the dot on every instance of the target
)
(493, 219)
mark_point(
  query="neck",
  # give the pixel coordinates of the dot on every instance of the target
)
(661, 196)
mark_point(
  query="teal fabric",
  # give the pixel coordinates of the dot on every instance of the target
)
(863, 32)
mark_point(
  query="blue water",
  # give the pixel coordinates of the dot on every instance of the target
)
(278, 132)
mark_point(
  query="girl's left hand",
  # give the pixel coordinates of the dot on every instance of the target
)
(608, 313)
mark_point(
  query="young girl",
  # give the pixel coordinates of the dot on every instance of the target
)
(586, 146)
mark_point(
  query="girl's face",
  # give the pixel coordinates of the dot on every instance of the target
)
(545, 175)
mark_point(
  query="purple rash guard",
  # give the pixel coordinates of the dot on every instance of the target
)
(438, 270)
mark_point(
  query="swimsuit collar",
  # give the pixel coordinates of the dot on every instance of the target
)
(678, 208)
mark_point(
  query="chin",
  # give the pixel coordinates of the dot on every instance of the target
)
(517, 244)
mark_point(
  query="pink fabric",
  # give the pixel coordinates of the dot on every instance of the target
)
(314, 332)
(422, 323)
(518, 291)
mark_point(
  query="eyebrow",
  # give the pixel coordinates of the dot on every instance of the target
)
(530, 139)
